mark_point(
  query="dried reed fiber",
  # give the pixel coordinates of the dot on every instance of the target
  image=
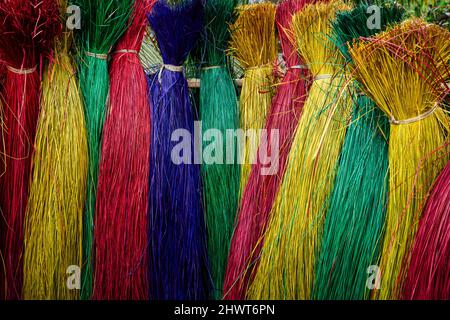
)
(354, 222)
(104, 23)
(253, 44)
(149, 54)
(27, 31)
(402, 70)
(178, 261)
(218, 111)
(286, 266)
(120, 235)
(2, 172)
(428, 276)
(53, 228)
(261, 189)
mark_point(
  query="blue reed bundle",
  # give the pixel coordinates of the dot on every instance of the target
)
(177, 237)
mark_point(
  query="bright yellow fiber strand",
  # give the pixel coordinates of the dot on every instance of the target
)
(288, 255)
(253, 44)
(53, 228)
(403, 70)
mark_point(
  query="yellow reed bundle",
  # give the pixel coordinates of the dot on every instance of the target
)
(53, 228)
(403, 71)
(288, 256)
(254, 45)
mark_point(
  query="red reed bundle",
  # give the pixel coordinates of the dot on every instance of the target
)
(121, 210)
(27, 31)
(2, 168)
(261, 189)
(428, 275)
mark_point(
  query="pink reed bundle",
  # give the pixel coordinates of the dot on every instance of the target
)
(27, 32)
(261, 189)
(428, 275)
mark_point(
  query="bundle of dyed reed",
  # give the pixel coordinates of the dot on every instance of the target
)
(286, 266)
(178, 266)
(104, 22)
(355, 217)
(218, 111)
(149, 55)
(53, 229)
(2, 171)
(122, 196)
(428, 276)
(403, 70)
(261, 189)
(254, 45)
(27, 31)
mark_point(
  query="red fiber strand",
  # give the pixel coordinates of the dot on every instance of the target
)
(121, 210)
(429, 271)
(27, 31)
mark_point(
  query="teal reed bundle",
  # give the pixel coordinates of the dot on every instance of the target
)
(354, 223)
(102, 23)
(218, 112)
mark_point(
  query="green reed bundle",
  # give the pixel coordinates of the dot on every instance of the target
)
(355, 218)
(219, 113)
(103, 23)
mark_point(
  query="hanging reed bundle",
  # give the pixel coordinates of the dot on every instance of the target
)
(122, 195)
(27, 31)
(104, 22)
(149, 55)
(402, 70)
(254, 45)
(428, 276)
(286, 266)
(178, 264)
(2, 171)
(218, 111)
(53, 228)
(2, 145)
(261, 190)
(355, 218)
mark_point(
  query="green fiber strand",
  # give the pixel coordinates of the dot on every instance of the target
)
(218, 111)
(103, 23)
(94, 86)
(354, 223)
(356, 214)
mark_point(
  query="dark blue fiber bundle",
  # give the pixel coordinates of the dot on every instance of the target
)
(178, 265)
